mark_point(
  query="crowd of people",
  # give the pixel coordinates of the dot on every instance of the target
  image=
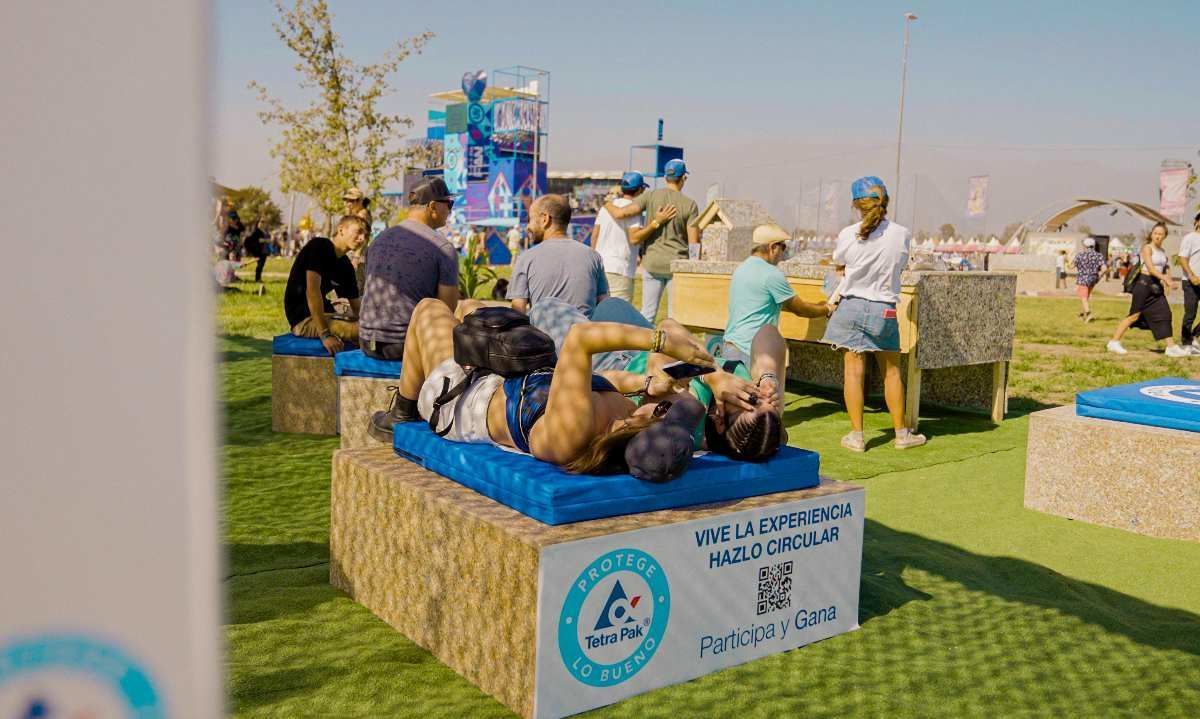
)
(609, 383)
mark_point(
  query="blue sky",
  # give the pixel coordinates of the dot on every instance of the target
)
(770, 98)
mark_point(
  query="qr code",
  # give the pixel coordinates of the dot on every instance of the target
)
(774, 587)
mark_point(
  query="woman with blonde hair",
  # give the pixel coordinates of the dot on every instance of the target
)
(870, 255)
(1149, 309)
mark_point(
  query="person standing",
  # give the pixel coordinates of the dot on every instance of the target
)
(758, 291)
(1189, 262)
(870, 254)
(1060, 269)
(617, 240)
(514, 244)
(557, 265)
(1149, 308)
(666, 240)
(323, 267)
(408, 263)
(256, 248)
(1089, 265)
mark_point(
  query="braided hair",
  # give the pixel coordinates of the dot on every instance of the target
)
(873, 210)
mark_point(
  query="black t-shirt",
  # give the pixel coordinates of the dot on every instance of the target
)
(337, 274)
(253, 243)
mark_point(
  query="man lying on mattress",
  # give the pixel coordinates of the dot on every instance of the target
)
(565, 414)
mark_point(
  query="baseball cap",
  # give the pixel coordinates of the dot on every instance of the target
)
(633, 181)
(431, 190)
(769, 234)
(1089, 242)
(675, 169)
(863, 187)
(663, 451)
(352, 195)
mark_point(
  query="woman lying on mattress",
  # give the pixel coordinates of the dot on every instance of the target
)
(585, 422)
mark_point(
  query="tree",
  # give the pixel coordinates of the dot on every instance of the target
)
(947, 231)
(1084, 228)
(340, 139)
(254, 203)
(1009, 230)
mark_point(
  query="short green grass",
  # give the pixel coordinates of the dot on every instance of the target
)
(971, 605)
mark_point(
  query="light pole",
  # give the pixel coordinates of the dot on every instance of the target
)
(908, 18)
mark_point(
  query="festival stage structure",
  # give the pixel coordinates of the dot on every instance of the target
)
(956, 328)
(495, 138)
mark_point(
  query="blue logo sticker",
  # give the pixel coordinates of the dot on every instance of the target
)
(614, 617)
(124, 688)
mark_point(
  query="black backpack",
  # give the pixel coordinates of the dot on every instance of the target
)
(493, 340)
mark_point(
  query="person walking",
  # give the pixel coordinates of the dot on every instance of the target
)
(759, 291)
(514, 244)
(1060, 269)
(257, 248)
(1189, 263)
(1089, 266)
(1149, 308)
(870, 254)
(667, 241)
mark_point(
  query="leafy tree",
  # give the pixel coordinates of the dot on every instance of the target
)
(947, 231)
(340, 139)
(254, 203)
(1084, 228)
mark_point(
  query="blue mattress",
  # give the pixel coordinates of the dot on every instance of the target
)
(290, 344)
(542, 491)
(1171, 402)
(356, 364)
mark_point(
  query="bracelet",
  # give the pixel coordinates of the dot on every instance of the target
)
(326, 334)
(658, 341)
(644, 391)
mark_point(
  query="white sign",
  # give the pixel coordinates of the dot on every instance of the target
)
(622, 614)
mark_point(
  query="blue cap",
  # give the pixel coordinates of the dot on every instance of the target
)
(675, 169)
(862, 187)
(633, 181)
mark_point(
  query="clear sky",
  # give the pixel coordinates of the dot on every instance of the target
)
(1053, 99)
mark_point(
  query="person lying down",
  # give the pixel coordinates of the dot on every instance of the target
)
(614, 420)
(743, 404)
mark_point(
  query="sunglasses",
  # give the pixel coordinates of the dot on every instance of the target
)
(661, 409)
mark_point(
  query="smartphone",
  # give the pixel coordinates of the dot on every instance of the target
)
(685, 370)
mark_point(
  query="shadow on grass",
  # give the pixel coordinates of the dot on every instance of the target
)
(888, 552)
(1021, 406)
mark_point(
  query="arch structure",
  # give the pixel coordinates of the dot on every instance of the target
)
(1083, 204)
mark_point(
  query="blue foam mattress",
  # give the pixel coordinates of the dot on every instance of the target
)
(356, 364)
(290, 344)
(1171, 402)
(546, 493)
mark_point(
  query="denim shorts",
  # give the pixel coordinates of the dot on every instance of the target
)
(862, 325)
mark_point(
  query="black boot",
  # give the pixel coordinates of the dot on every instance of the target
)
(401, 409)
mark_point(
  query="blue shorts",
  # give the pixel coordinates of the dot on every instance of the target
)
(862, 325)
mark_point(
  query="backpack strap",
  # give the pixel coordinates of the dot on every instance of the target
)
(449, 394)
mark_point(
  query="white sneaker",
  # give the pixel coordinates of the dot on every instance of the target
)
(1177, 351)
(1193, 348)
(1115, 347)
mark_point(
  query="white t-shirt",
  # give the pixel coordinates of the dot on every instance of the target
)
(873, 265)
(612, 242)
(514, 239)
(1189, 250)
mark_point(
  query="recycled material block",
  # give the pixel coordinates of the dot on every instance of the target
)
(303, 395)
(358, 399)
(556, 620)
(1129, 476)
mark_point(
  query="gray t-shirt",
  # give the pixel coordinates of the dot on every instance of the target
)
(561, 268)
(405, 265)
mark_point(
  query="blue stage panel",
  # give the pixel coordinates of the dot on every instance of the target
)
(1172, 402)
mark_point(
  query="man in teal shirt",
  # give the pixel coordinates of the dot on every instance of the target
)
(758, 292)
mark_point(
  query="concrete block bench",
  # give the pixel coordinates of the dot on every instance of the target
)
(1135, 477)
(362, 384)
(553, 620)
(303, 388)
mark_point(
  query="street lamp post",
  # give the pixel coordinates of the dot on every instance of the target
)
(908, 18)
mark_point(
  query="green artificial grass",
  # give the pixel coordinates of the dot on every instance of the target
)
(971, 605)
